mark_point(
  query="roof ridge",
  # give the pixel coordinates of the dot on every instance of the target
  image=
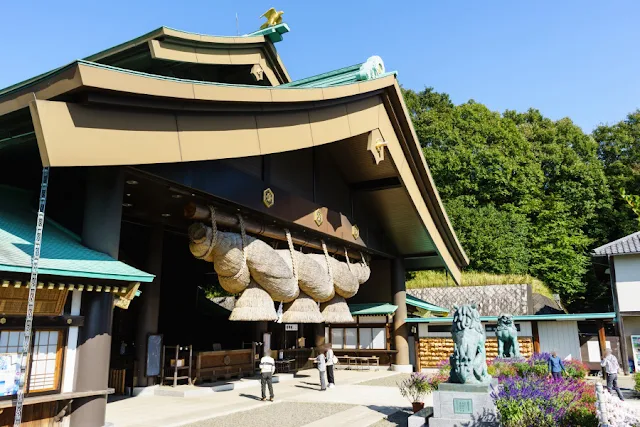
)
(615, 242)
(324, 75)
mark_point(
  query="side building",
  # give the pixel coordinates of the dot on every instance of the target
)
(619, 263)
(543, 325)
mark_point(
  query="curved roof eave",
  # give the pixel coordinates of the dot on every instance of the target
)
(96, 76)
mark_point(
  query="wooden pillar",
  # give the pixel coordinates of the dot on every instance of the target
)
(417, 350)
(319, 334)
(149, 305)
(94, 349)
(536, 337)
(602, 341)
(101, 232)
(399, 320)
(624, 353)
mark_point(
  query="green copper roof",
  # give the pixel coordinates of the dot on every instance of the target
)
(523, 318)
(417, 302)
(342, 76)
(62, 254)
(373, 309)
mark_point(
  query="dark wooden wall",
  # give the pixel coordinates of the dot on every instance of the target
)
(38, 415)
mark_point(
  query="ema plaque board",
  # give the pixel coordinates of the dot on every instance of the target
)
(462, 406)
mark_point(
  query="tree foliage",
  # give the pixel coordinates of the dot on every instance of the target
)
(526, 194)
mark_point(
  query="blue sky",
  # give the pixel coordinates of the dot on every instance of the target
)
(567, 58)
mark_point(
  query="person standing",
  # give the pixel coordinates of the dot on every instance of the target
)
(322, 367)
(556, 367)
(267, 369)
(331, 358)
(611, 366)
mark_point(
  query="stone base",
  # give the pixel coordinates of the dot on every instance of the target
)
(464, 405)
(402, 368)
(419, 419)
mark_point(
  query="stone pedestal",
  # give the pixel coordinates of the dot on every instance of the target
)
(464, 405)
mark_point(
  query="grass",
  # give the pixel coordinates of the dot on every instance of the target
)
(437, 279)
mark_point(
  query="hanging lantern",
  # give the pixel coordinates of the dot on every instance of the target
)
(336, 311)
(302, 310)
(254, 305)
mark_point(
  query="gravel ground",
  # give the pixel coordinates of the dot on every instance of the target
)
(285, 414)
(390, 381)
(397, 419)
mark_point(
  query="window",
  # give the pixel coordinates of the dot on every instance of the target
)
(337, 338)
(378, 341)
(44, 367)
(350, 338)
(46, 358)
(365, 338)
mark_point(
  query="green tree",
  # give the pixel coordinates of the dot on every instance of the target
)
(525, 193)
(619, 152)
(496, 239)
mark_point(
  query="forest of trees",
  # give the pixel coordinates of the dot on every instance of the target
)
(529, 195)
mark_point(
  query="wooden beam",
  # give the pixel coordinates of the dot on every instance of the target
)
(201, 213)
(377, 184)
(43, 321)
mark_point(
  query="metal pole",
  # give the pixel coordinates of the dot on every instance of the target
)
(33, 284)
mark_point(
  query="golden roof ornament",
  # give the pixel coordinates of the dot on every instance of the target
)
(273, 18)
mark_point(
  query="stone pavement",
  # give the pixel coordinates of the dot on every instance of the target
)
(369, 404)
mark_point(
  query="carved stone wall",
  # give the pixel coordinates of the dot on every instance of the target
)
(492, 300)
(434, 350)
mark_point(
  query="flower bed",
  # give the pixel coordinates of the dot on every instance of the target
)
(528, 396)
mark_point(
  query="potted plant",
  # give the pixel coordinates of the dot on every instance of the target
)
(415, 388)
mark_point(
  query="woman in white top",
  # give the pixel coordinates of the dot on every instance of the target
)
(330, 365)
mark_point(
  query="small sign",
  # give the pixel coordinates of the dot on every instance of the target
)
(462, 406)
(292, 327)
(9, 374)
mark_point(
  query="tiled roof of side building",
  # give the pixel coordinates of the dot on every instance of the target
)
(627, 245)
(62, 252)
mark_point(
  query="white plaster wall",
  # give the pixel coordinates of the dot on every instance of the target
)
(628, 281)
(68, 378)
(372, 319)
(561, 337)
(423, 330)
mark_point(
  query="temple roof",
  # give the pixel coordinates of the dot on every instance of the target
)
(93, 113)
(62, 251)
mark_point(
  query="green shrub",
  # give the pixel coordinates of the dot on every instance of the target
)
(539, 369)
(523, 369)
(575, 369)
(580, 416)
(524, 413)
(637, 378)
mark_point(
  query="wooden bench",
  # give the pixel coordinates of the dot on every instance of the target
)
(225, 364)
